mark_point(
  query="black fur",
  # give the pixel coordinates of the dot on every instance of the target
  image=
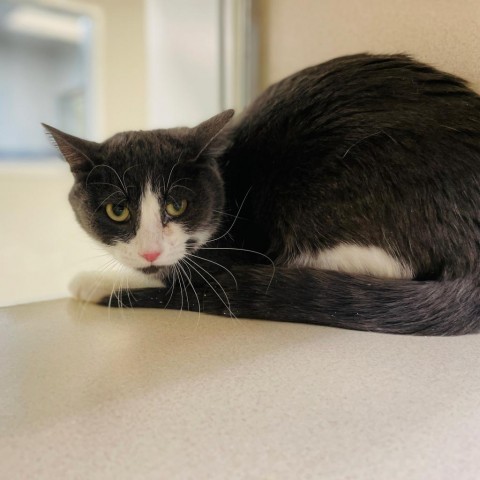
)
(328, 298)
(115, 171)
(367, 150)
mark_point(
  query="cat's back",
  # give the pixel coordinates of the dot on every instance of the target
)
(351, 96)
(373, 149)
(358, 113)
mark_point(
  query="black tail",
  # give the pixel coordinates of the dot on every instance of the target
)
(307, 295)
(335, 299)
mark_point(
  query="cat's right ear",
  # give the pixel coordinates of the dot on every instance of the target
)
(76, 151)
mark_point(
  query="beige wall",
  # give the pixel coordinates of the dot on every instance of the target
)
(123, 64)
(298, 33)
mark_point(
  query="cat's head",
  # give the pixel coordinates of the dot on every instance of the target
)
(149, 197)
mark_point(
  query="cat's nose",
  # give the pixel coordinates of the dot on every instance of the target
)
(150, 256)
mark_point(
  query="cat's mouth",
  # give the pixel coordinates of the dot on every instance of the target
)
(151, 269)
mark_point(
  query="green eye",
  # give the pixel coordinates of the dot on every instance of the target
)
(175, 209)
(118, 213)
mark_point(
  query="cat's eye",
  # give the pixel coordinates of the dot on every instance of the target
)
(117, 212)
(175, 209)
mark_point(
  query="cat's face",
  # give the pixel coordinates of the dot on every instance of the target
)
(150, 197)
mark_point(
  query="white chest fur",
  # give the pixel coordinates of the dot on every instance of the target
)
(356, 259)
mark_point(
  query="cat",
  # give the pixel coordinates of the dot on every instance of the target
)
(346, 195)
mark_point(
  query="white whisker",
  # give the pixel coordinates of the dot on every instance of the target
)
(109, 184)
(109, 264)
(215, 263)
(113, 170)
(193, 288)
(171, 170)
(360, 141)
(234, 220)
(226, 214)
(185, 290)
(172, 286)
(180, 186)
(103, 203)
(129, 168)
(127, 289)
(181, 291)
(248, 251)
(226, 305)
(177, 181)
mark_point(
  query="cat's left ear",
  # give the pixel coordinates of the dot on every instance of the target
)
(207, 133)
(76, 151)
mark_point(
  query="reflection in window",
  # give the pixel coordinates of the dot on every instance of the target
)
(44, 77)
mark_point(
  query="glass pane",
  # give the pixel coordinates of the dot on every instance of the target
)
(44, 77)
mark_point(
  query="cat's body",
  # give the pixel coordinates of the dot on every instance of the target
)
(358, 178)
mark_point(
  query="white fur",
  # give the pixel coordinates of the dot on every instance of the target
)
(152, 236)
(357, 260)
(94, 286)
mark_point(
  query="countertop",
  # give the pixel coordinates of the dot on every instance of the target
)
(92, 393)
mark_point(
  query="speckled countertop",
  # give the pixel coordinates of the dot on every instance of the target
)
(89, 393)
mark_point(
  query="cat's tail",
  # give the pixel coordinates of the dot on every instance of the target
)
(308, 295)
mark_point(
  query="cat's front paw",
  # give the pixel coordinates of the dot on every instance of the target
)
(94, 287)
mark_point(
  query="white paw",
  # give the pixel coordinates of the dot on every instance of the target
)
(95, 286)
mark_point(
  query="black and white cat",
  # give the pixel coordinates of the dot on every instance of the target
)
(347, 195)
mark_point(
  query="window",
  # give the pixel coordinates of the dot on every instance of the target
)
(45, 77)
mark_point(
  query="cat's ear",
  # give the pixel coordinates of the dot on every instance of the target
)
(207, 133)
(76, 151)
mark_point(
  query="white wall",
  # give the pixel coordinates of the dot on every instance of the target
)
(183, 39)
(41, 245)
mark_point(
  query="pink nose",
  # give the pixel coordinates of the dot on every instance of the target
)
(150, 256)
